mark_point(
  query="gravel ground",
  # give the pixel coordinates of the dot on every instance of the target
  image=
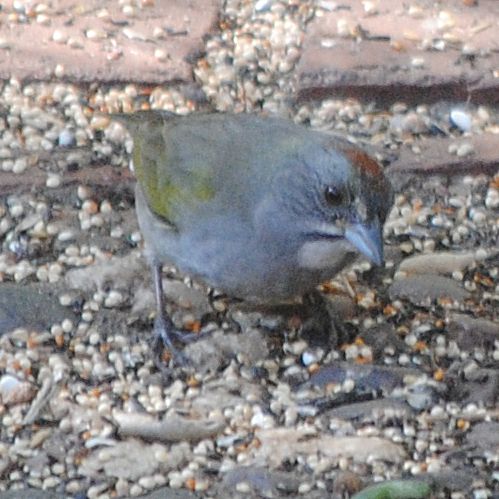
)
(407, 391)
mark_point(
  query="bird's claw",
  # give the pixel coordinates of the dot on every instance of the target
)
(163, 334)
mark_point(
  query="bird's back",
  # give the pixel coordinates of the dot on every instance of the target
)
(192, 167)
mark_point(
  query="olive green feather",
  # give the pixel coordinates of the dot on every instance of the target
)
(156, 170)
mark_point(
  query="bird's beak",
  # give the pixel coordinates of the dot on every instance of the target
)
(367, 238)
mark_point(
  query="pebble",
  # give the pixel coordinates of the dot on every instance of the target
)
(20, 165)
(83, 192)
(66, 138)
(465, 149)
(492, 199)
(43, 19)
(114, 299)
(95, 34)
(53, 181)
(160, 54)
(66, 235)
(243, 487)
(59, 70)
(417, 62)
(59, 36)
(15, 391)
(461, 119)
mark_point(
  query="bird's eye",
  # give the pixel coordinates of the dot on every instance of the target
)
(333, 195)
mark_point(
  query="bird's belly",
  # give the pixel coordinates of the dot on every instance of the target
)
(235, 261)
(253, 271)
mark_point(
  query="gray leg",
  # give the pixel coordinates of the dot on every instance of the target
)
(322, 327)
(164, 329)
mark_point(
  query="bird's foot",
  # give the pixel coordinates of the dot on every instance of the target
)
(164, 335)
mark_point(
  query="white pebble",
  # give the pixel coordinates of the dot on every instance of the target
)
(160, 54)
(53, 181)
(243, 487)
(370, 8)
(43, 19)
(65, 235)
(59, 70)
(67, 325)
(65, 300)
(16, 210)
(465, 149)
(492, 199)
(417, 62)
(20, 165)
(83, 192)
(95, 34)
(106, 207)
(114, 299)
(59, 36)
(461, 119)
(158, 32)
(263, 5)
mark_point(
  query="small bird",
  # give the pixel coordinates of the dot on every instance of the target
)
(257, 207)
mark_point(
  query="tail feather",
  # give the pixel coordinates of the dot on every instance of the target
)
(132, 121)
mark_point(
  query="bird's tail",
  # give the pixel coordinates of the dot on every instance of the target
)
(132, 121)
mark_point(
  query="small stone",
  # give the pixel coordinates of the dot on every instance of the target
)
(465, 149)
(67, 325)
(59, 36)
(461, 119)
(59, 71)
(66, 138)
(53, 181)
(370, 8)
(417, 62)
(65, 235)
(129, 11)
(90, 207)
(84, 192)
(20, 165)
(95, 34)
(14, 391)
(160, 54)
(114, 299)
(243, 487)
(263, 5)
(158, 33)
(43, 19)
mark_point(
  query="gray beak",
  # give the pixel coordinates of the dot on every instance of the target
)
(367, 239)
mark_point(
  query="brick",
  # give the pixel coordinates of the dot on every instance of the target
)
(375, 60)
(125, 54)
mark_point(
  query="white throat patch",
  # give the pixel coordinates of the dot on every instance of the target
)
(323, 254)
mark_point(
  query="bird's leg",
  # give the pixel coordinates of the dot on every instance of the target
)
(322, 326)
(164, 329)
(165, 332)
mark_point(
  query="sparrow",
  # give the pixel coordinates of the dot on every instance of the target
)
(257, 207)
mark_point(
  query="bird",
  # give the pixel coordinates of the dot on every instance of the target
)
(257, 207)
